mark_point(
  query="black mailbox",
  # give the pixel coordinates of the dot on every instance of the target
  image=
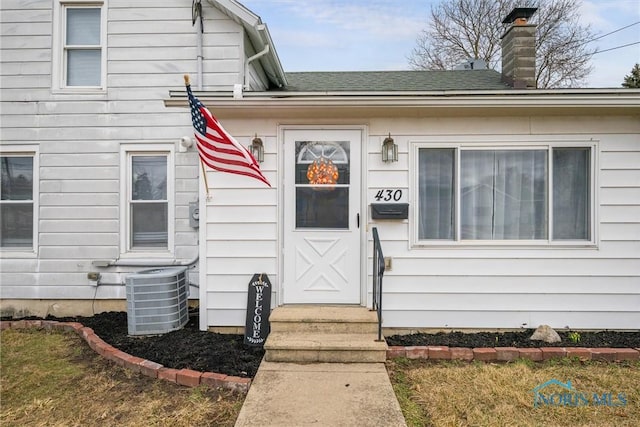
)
(389, 210)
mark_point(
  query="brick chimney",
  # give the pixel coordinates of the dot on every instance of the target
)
(519, 49)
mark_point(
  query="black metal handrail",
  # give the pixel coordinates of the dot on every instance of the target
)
(378, 272)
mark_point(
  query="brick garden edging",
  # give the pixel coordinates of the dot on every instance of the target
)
(509, 354)
(185, 377)
(191, 378)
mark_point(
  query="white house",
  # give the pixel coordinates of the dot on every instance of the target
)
(507, 207)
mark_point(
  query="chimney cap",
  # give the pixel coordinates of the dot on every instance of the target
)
(519, 12)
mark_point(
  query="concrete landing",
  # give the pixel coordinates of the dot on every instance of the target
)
(321, 394)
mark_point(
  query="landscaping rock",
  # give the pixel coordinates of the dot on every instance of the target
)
(545, 333)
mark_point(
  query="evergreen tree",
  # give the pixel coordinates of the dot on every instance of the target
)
(632, 81)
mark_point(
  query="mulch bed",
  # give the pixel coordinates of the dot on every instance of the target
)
(187, 348)
(520, 339)
(190, 348)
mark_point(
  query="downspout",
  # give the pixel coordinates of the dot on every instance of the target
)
(249, 61)
(266, 39)
(249, 20)
(196, 19)
(200, 30)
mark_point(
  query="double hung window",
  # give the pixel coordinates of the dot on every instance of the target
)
(470, 194)
(79, 46)
(17, 202)
(148, 203)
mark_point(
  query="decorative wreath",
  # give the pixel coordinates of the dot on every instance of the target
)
(323, 172)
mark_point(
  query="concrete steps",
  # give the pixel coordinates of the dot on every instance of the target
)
(334, 334)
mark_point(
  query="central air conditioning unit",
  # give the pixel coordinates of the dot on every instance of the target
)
(157, 301)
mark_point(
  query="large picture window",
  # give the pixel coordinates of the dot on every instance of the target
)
(17, 202)
(504, 194)
(148, 202)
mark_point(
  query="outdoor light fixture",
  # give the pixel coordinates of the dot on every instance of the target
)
(389, 150)
(185, 143)
(257, 149)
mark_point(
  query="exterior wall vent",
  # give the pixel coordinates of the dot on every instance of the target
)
(157, 301)
(472, 64)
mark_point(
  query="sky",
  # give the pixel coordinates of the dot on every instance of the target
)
(362, 35)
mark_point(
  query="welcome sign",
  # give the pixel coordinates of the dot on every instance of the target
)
(258, 309)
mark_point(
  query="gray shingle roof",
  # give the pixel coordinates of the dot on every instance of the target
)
(384, 81)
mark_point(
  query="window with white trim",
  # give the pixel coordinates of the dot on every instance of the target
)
(17, 201)
(148, 201)
(508, 194)
(79, 45)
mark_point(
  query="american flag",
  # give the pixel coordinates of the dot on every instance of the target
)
(217, 148)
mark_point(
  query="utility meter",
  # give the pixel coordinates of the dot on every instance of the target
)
(194, 214)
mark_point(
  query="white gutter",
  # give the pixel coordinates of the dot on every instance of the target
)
(459, 99)
(450, 93)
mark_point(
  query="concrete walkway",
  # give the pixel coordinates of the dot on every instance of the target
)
(321, 394)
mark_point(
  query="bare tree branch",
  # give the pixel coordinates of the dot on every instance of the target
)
(467, 29)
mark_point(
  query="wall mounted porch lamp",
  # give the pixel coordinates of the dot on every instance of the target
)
(389, 150)
(257, 149)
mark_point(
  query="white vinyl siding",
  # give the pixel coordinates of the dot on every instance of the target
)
(80, 133)
(151, 45)
(460, 284)
(240, 235)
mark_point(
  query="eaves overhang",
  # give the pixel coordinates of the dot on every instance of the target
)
(259, 35)
(564, 101)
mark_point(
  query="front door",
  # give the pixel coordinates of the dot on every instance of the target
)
(322, 216)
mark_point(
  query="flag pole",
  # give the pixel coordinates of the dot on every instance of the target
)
(187, 82)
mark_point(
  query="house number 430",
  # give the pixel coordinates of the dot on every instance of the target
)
(387, 195)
